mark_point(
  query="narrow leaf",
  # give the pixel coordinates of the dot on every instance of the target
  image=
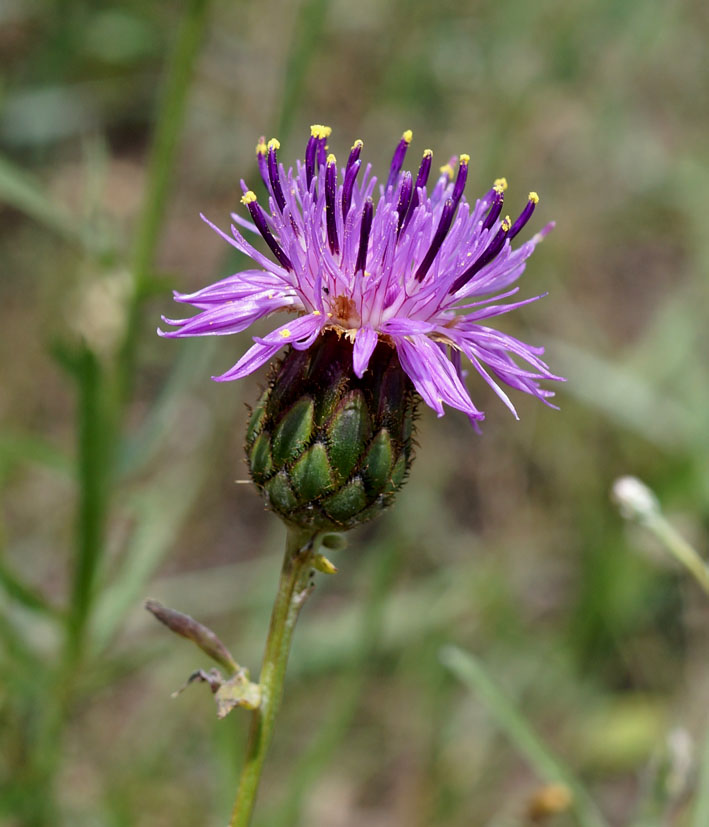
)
(472, 673)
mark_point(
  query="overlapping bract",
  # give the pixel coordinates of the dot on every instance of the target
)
(327, 450)
(415, 266)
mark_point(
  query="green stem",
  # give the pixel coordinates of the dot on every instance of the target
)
(94, 437)
(101, 417)
(700, 816)
(350, 688)
(293, 589)
(680, 548)
(168, 130)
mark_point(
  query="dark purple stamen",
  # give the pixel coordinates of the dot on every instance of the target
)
(495, 210)
(322, 151)
(354, 153)
(424, 169)
(404, 199)
(461, 179)
(348, 186)
(421, 181)
(398, 159)
(310, 150)
(442, 230)
(366, 228)
(261, 160)
(525, 215)
(490, 252)
(259, 220)
(330, 193)
(274, 176)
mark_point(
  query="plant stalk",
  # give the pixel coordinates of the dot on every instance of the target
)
(163, 155)
(293, 589)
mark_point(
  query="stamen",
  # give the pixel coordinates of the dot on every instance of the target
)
(424, 169)
(274, 175)
(495, 209)
(261, 150)
(525, 215)
(500, 183)
(447, 169)
(315, 149)
(490, 252)
(348, 186)
(399, 155)
(259, 219)
(366, 228)
(330, 193)
(310, 150)
(442, 230)
(325, 132)
(354, 153)
(404, 199)
(421, 181)
(322, 151)
(461, 179)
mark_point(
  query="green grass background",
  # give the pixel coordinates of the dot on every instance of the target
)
(119, 123)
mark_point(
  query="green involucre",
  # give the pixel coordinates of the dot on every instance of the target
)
(326, 449)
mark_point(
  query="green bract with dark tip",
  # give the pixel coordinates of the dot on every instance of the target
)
(326, 449)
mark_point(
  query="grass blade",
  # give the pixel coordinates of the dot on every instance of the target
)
(21, 191)
(470, 672)
(700, 816)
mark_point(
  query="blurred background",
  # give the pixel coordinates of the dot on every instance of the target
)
(120, 123)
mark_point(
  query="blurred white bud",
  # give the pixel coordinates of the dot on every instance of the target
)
(681, 754)
(635, 500)
(98, 311)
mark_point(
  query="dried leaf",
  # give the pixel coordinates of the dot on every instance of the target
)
(228, 694)
(237, 691)
(191, 629)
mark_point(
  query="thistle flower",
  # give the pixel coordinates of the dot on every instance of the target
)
(384, 299)
(416, 266)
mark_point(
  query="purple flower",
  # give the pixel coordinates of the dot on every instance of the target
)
(414, 265)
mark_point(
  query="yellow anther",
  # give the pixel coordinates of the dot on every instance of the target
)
(248, 197)
(317, 130)
(506, 223)
(329, 315)
(317, 313)
(331, 159)
(501, 183)
(285, 333)
(464, 159)
(533, 197)
(261, 147)
(448, 170)
(358, 144)
(498, 189)
(407, 136)
(274, 143)
(428, 153)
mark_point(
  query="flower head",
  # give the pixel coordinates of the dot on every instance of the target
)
(408, 262)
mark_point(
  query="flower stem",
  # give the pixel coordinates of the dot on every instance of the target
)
(293, 589)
